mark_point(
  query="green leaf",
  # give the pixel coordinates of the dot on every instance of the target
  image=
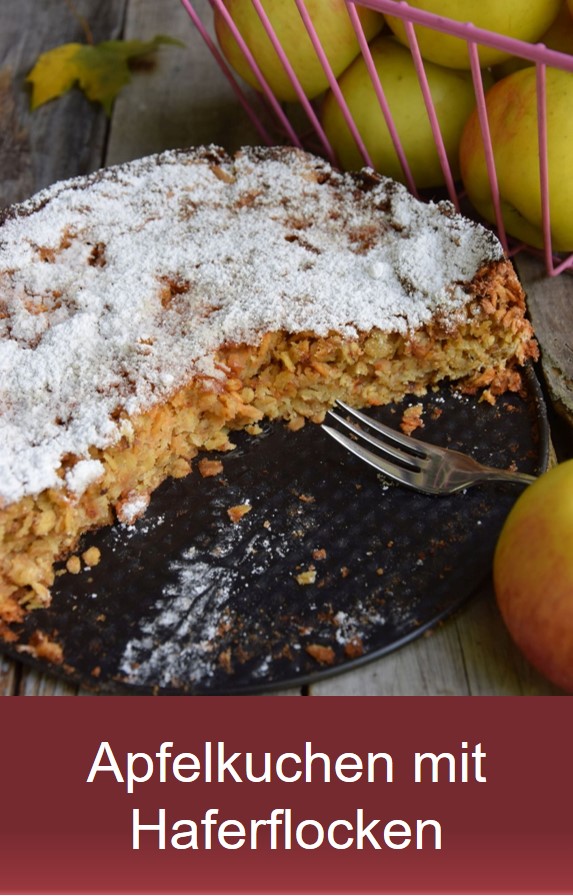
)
(100, 71)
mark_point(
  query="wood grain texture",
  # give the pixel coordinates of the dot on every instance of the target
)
(550, 303)
(182, 101)
(65, 137)
(9, 675)
(493, 664)
(37, 684)
(469, 654)
(431, 666)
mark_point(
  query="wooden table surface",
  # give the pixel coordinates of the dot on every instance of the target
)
(183, 100)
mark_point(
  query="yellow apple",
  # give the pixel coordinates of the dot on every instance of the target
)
(521, 19)
(559, 36)
(453, 96)
(512, 115)
(333, 26)
(533, 574)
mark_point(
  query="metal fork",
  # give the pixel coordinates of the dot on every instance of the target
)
(414, 463)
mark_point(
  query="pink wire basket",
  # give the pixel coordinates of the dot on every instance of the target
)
(274, 122)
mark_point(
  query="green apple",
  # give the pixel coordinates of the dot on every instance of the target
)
(453, 96)
(533, 574)
(334, 29)
(522, 19)
(559, 36)
(512, 115)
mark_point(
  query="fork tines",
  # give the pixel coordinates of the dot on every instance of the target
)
(396, 445)
(427, 468)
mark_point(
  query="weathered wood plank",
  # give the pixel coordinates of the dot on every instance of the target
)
(550, 303)
(431, 666)
(36, 684)
(65, 137)
(9, 674)
(470, 654)
(494, 666)
(184, 100)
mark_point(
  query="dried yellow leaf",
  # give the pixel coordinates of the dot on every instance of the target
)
(100, 70)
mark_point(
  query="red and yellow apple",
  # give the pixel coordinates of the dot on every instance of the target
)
(522, 19)
(533, 574)
(512, 115)
(334, 29)
(453, 96)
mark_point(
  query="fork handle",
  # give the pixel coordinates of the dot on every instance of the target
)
(487, 474)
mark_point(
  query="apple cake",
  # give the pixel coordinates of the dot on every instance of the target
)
(150, 309)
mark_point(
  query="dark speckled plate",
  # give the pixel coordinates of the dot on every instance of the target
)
(331, 567)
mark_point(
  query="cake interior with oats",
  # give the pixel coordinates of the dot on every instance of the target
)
(150, 309)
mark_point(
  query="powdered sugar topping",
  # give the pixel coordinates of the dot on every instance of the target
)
(117, 289)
